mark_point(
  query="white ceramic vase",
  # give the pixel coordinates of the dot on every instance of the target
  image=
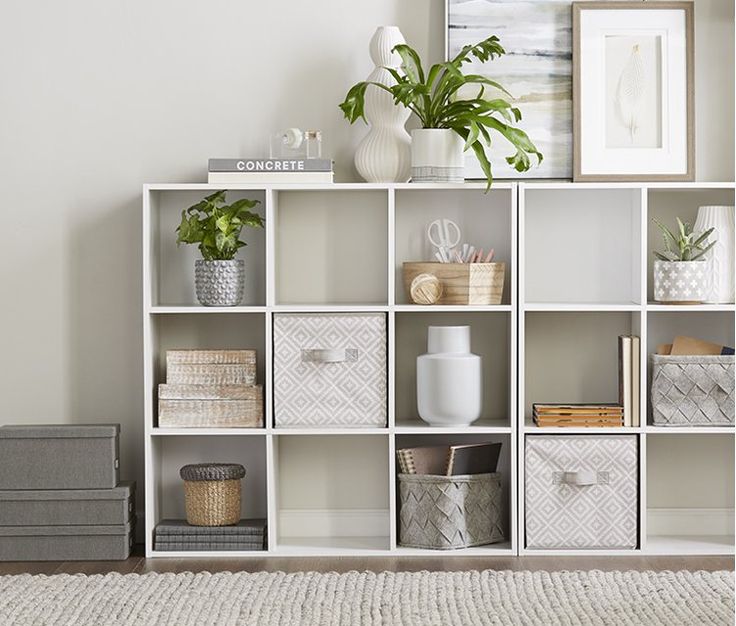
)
(437, 156)
(680, 282)
(720, 259)
(383, 156)
(449, 386)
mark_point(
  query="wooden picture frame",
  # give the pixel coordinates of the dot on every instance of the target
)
(616, 98)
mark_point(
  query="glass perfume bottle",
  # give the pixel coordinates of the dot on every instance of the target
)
(293, 143)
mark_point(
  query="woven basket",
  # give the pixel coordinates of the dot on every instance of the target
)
(212, 493)
(692, 390)
(448, 512)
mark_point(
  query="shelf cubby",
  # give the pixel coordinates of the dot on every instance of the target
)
(690, 493)
(172, 267)
(332, 493)
(490, 334)
(486, 220)
(331, 247)
(581, 245)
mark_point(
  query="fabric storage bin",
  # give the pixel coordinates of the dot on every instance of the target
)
(581, 491)
(330, 370)
(692, 390)
(59, 457)
(61, 507)
(448, 512)
(66, 543)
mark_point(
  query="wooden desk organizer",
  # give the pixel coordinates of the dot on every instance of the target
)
(462, 283)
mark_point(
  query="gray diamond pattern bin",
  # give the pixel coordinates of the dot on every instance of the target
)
(692, 390)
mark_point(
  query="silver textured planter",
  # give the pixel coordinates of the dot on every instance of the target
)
(219, 283)
(680, 282)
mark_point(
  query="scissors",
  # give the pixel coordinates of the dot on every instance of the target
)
(444, 234)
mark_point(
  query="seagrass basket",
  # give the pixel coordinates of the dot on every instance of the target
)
(212, 493)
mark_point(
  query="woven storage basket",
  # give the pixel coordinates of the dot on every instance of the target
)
(212, 493)
(692, 390)
(447, 512)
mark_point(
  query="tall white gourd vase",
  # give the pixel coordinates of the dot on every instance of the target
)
(720, 259)
(449, 386)
(384, 155)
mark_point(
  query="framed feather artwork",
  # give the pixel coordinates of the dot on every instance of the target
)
(633, 96)
(536, 70)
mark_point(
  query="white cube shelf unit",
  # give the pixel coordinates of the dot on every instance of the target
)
(585, 277)
(326, 248)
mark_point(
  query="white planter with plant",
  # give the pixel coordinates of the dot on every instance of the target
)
(219, 277)
(452, 120)
(680, 272)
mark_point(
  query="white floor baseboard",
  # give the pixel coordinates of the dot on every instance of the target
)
(690, 521)
(334, 523)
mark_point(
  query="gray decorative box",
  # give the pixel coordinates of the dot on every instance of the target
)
(581, 491)
(59, 457)
(448, 512)
(692, 390)
(178, 535)
(66, 543)
(68, 507)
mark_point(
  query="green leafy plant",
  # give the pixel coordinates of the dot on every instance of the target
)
(216, 226)
(437, 100)
(686, 245)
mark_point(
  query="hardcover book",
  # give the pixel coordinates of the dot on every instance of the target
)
(256, 166)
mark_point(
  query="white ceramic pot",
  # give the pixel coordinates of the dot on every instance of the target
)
(437, 156)
(680, 282)
(720, 258)
(449, 386)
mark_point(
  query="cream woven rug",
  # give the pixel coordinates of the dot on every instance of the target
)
(407, 599)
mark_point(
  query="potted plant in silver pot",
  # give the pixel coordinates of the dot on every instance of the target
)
(456, 111)
(219, 277)
(680, 270)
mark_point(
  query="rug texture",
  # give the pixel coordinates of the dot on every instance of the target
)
(421, 598)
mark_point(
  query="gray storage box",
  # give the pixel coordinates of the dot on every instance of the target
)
(692, 390)
(59, 457)
(68, 507)
(447, 512)
(66, 543)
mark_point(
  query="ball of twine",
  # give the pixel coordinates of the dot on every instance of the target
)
(425, 289)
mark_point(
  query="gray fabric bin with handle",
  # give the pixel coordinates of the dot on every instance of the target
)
(68, 507)
(59, 456)
(692, 390)
(448, 512)
(66, 543)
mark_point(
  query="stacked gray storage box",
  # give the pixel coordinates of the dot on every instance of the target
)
(60, 498)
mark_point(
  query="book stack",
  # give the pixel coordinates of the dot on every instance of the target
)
(628, 378)
(174, 535)
(267, 171)
(578, 415)
(455, 460)
(210, 388)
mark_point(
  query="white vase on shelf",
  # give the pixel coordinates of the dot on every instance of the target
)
(384, 154)
(449, 378)
(720, 259)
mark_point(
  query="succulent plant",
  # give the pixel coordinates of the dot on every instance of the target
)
(686, 245)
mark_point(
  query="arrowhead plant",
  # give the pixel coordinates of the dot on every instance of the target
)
(442, 98)
(685, 245)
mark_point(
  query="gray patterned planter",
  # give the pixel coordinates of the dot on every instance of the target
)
(680, 282)
(219, 283)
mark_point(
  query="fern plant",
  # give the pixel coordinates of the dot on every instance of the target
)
(440, 99)
(216, 226)
(686, 245)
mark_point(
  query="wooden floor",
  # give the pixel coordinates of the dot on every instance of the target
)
(139, 564)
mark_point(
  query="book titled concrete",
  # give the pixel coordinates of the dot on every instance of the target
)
(264, 178)
(178, 527)
(269, 165)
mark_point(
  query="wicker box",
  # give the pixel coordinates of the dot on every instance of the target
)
(692, 390)
(211, 367)
(581, 491)
(462, 283)
(59, 457)
(214, 406)
(68, 507)
(448, 512)
(330, 370)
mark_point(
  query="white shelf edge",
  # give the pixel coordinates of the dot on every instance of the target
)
(329, 431)
(208, 432)
(688, 308)
(578, 430)
(678, 545)
(195, 309)
(340, 186)
(208, 554)
(689, 430)
(581, 307)
(449, 308)
(581, 552)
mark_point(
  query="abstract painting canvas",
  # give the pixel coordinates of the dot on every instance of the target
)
(536, 70)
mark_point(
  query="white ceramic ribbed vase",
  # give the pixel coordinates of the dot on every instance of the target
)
(384, 155)
(720, 258)
(449, 388)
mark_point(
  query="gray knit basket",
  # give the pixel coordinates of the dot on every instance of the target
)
(692, 390)
(212, 471)
(448, 512)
